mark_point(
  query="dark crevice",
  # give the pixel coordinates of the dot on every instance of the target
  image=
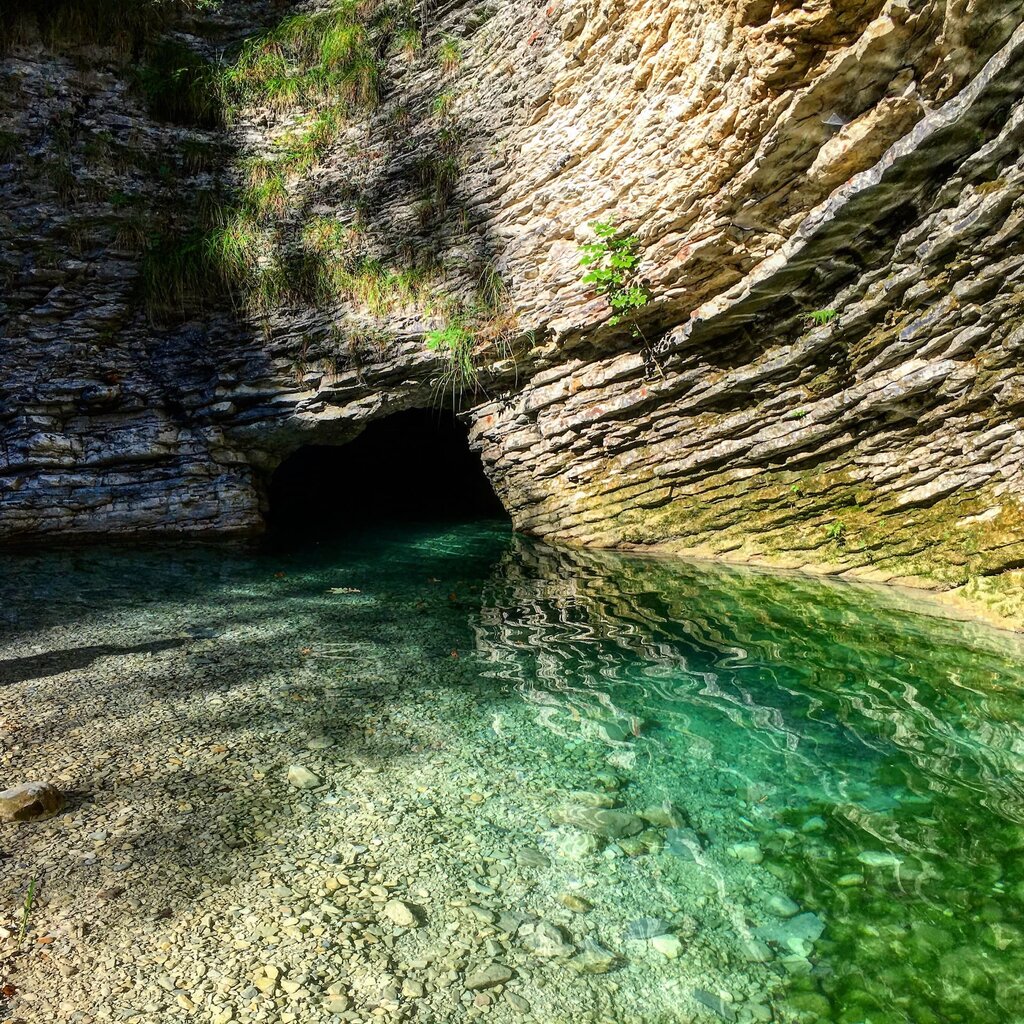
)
(413, 466)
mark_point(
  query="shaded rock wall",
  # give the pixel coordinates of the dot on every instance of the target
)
(886, 442)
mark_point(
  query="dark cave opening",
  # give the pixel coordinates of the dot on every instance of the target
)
(409, 467)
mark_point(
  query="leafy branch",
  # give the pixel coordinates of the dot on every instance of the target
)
(612, 266)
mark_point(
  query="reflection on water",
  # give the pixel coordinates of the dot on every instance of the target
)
(810, 789)
(876, 755)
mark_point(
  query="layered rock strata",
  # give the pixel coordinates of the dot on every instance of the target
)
(860, 161)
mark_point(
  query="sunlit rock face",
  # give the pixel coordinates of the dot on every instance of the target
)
(774, 159)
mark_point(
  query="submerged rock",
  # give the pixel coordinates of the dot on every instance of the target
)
(795, 934)
(594, 959)
(30, 801)
(714, 1003)
(577, 845)
(302, 778)
(577, 904)
(683, 842)
(667, 945)
(646, 928)
(783, 906)
(749, 853)
(488, 976)
(666, 815)
(600, 821)
(544, 939)
(879, 859)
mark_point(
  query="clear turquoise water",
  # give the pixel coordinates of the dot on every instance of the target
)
(873, 754)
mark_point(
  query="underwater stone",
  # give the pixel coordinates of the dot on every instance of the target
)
(646, 928)
(666, 815)
(749, 853)
(594, 959)
(783, 906)
(794, 933)
(577, 845)
(667, 945)
(607, 780)
(544, 939)
(714, 1003)
(530, 856)
(754, 951)
(400, 914)
(575, 903)
(30, 801)
(601, 821)
(518, 1003)
(302, 778)
(879, 859)
(683, 842)
(488, 976)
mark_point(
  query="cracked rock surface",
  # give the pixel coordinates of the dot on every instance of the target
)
(858, 158)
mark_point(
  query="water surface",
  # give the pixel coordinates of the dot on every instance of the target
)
(833, 782)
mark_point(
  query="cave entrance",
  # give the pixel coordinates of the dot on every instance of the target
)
(409, 467)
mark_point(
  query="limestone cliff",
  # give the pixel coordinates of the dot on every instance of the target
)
(861, 161)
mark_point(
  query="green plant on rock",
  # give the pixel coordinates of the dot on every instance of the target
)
(836, 532)
(408, 42)
(820, 317)
(320, 56)
(612, 265)
(181, 85)
(449, 55)
(455, 342)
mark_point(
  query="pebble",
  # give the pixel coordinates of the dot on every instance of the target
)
(749, 853)
(783, 906)
(545, 939)
(879, 859)
(667, 945)
(401, 914)
(517, 1002)
(599, 821)
(488, 976)
(302, 778)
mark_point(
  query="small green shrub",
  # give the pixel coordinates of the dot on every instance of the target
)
(836, 531)
(820, 317)
(612, 264)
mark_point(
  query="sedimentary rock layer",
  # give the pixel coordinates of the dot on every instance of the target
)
(860, 160)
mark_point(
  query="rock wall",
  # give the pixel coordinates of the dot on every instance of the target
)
(773, 158)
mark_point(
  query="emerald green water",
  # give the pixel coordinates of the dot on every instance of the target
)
(874, 755)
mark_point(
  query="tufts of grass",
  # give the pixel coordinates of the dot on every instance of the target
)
(443, 104)
(121, 25)
(267, 198)
(10, 146)
(449, 55)
(181, 86)
(469, 328)
(317, 56)
(408, 42)
(198, 156)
